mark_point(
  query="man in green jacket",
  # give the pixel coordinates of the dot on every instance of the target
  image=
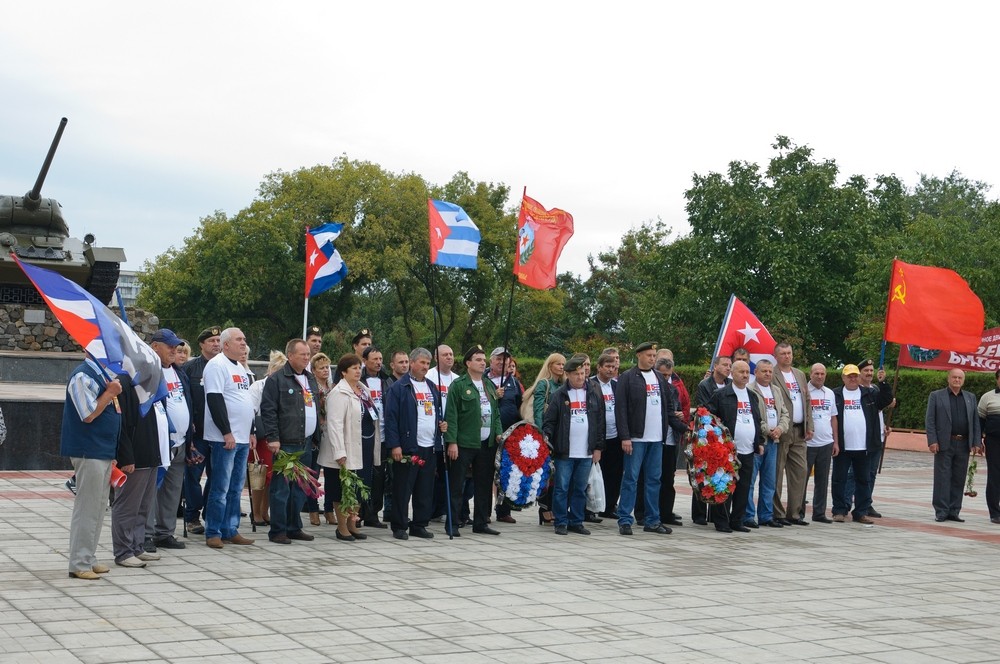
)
(473, 416)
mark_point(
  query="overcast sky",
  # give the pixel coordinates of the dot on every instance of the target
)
(603, 109)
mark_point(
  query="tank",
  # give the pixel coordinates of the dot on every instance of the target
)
(34, 228)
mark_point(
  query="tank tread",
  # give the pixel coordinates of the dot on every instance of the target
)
(103, 280)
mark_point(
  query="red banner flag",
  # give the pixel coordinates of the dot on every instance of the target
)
(984, 358)
(932, 307)
(541, 236)
(742, 329)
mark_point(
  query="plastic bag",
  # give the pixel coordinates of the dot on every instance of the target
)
(596, 501)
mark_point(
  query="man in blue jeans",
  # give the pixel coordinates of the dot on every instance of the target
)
(290, 415)
(776, 421)
(643, 412)
(198, 452)
(229, 423)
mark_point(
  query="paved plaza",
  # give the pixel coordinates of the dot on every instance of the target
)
(906, 590)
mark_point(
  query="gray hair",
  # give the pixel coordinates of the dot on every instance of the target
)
(419, 353)
(227, 334)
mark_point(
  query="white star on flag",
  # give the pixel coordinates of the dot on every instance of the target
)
(749, 332)
(312, 258)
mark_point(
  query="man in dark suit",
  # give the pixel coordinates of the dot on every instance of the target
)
(740, 412)
(719, 378)
(953, 428)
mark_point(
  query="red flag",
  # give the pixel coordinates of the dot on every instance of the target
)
(742, 329)
(932, 307)
(541, 236)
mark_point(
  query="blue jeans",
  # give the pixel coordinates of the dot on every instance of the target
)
(287, 500)
(194, 496)
(764, 465)
(569, 495)
(647, 457)
(225, 486)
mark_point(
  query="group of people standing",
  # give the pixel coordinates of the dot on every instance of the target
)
(410, 432)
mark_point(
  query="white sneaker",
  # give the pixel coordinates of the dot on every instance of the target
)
(145, 555)
(130, 562)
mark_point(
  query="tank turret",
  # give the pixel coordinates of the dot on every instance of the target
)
(34, 228)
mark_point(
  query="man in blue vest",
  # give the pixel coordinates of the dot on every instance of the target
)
(90, 426)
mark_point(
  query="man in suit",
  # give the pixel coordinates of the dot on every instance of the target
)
(952, 425)
(721, 367)
(775, 423)
(791, 462)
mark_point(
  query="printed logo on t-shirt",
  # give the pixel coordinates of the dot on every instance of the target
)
(852, 404)
(743, 412)
(609, 402)
(424, 400)
(242, 382)
(653, 393)
(176, 390)
(307, 396)
(821, 405)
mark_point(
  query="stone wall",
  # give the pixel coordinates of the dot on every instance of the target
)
(34, 328)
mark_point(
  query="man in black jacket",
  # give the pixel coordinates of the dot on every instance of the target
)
(574, 425)
(739, 409)
(643, 414)
(290, 415)
(199, 452)
(612, 458)
(721, 368)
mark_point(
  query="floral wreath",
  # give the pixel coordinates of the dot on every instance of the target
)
(523, 463)
(712, 460)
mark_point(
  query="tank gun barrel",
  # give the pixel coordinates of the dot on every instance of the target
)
(33, 197)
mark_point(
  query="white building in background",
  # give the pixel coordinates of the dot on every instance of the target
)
(128, 283)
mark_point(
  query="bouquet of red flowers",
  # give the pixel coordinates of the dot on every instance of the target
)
(712, 461)
(410, 458)
(290, 467)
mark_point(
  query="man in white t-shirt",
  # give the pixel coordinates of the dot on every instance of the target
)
(229, 430)
(775, 422)
(612, 459)
(739, 408)
(823, 446)
(413, 427)
(442, 377)
(181, 431)
(377, 380)
(875, 452)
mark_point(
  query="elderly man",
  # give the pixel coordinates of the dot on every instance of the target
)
(442, 377)
(229, 430)
(739, 409)
(716, 380)
(612, 458)
(91, 421)
(857, 429)
(181, 434)
(867, 368)
(775, 423)
(791, 461)
(413, 426)
(644, 413)
(953, 429)
(824, 445)
(199, 453)
(473, 417)
(290, 416)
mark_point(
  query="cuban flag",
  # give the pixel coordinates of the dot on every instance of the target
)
(324, 266)
(454, 236)
(102, 334)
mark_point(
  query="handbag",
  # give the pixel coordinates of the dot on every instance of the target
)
(596, 500)
(257, 472)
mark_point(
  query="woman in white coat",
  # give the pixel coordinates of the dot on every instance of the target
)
(352, 438)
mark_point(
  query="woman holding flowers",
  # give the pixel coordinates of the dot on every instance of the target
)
(351, 441)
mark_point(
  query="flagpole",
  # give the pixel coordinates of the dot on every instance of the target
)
(510, 305)
(305, 318)
(888, 419)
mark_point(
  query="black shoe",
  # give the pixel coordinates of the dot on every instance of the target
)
(625, 529)
(71, 485)
(346, 538)
(822, 519)
(659, 529)
(560, 530)
(485, 530)
(400, 534)
(304, 537)
(995, 519)
(951, 517)
(674, 521)
(280, 539)
(579, 530)
(798, 522)
(374, 523)
(422, 533)
(148, 546)
(784, 522)
(169, 543)
(593, 518)
(740, 528)
(939, 519)
(454, 533)
(873, 514)
(700, 522)
(772, 524)
(751, 524)
(723, 528)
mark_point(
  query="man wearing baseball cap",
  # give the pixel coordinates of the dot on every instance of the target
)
(858, 430)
